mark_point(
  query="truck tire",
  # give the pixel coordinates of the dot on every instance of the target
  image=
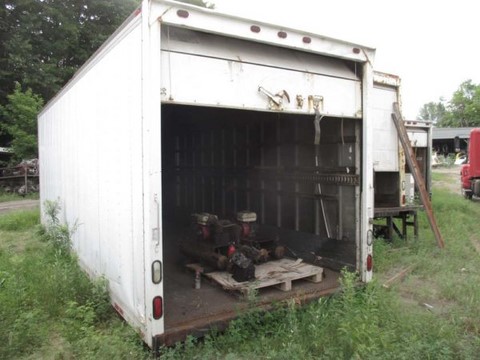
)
(468, 194)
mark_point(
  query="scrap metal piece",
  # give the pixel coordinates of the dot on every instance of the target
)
(276, 101)
(315, 102)
(242, 267)
(300, 101)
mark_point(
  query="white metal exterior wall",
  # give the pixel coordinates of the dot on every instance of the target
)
(365, 238)
(152, 163)
(385, 145)
(90, 140)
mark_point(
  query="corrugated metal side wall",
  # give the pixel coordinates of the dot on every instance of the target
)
(91, 161)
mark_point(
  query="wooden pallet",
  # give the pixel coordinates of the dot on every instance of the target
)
(279, 273)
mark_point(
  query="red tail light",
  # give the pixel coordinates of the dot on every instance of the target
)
(369, 263)
(157, 307)
(404, 200)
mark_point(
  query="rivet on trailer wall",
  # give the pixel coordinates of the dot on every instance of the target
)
(255, 29)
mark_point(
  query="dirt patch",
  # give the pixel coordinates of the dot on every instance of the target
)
(425, 294)
(18, 205)
(476, 243)
(449, 179)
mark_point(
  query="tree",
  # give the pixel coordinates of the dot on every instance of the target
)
(432, 111)
(43, 42)
(462, 110)
(464, 107)
(20, 122)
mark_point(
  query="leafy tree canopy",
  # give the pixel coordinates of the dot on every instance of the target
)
(462, 110)
(43, 42)
(432, 111)
(20, 122)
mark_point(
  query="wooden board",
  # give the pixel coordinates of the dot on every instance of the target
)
(411, 159)
(278, 273)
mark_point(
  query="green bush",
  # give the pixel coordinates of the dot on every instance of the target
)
(19, 117)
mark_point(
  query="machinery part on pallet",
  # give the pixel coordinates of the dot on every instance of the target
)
(219, 233)
(210, 257)
(205, 218)
(246, 220)
(203, 232)
(246, 230)
(279, 252)
(257, 255)
(242, 268)
(246, 216)
(292, 253)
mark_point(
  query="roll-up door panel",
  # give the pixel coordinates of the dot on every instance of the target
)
(211, 70)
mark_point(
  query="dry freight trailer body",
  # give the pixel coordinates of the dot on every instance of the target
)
(393, 180)
(185, 110)
(396, 198)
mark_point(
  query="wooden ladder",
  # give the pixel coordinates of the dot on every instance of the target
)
(417, 175)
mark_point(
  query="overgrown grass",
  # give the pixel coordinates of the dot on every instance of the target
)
(49, 308)
(367, 323)
(53, 311)
(432, 314)
(19, 220)
(4, 197)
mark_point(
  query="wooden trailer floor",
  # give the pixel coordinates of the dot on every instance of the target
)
(195, 311)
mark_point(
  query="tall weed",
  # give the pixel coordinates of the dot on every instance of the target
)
(56, 233)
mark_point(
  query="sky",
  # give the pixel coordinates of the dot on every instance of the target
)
(432, 45)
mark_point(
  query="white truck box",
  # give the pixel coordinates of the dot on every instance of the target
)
(187, 110)
(389, 163)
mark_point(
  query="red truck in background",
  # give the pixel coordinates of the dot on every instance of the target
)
(470, 173)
